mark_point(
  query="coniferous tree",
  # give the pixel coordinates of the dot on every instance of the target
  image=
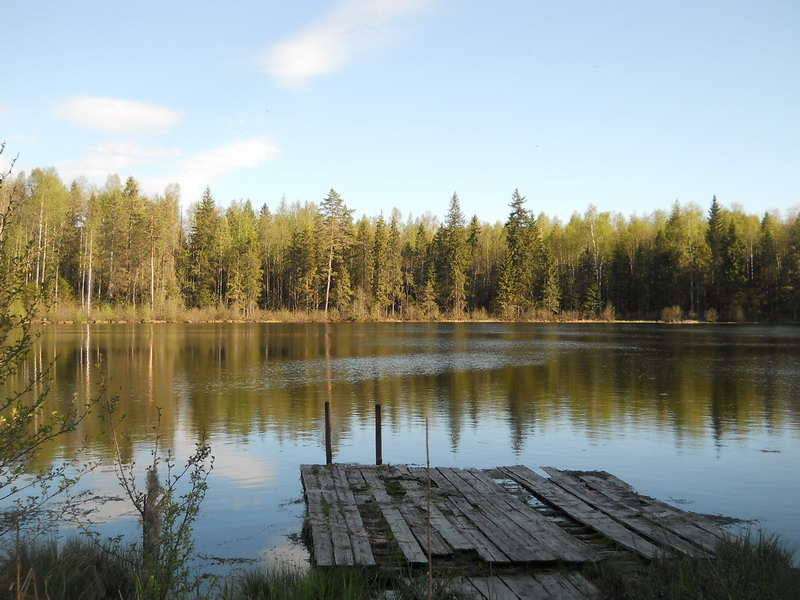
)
(202, 264)
(768, 267)
(336, 235)
(714, 235)
(473, 268)
(732, 273)
(381, 281)
(453, 258)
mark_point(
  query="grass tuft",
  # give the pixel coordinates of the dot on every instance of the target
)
(746, 568)
(75, 570)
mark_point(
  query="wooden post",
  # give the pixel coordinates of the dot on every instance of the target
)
(328, 447)
(378, 439)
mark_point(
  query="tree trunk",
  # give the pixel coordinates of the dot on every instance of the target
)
(328, 286)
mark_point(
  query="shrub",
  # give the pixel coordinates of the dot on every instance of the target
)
(672, 314)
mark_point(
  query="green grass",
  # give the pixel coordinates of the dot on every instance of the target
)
(338, 583)
(750, 568)
(747, 568)
(74, 570)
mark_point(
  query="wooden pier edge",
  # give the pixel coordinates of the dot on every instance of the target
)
(510, 520)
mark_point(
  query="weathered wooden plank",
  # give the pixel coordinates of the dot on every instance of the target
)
(510, 545)
(584, 586)
(436, 477)
(398, 471)
(558, 586)
(342, 547)
(525, 586)
(359, 540)
(486, 550)
(419, 527)
(702, 521)
(463, 587)
(580, 511)
(513, 527)
(402, 533)
(523, 547)
(550, 536)
(321, 541)
(695, 528)
(308, 477)
(493, 587)
(631, 517)
(440, 523)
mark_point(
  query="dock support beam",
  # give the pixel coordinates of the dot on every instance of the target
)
(378, 439)
(328, 446)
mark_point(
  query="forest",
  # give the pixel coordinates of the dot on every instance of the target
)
(114, 252)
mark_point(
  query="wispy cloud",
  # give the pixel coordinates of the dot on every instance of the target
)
(193, 173)
(352, 29)
(203, 169)
(113, 158)
(114, 115)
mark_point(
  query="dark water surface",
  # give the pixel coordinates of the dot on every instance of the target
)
(703, 416)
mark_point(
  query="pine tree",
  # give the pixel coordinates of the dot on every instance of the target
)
(336, 234)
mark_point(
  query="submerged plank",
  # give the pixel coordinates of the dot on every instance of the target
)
(548, 535)
(625, 513)
(691, 526)
(580, 511)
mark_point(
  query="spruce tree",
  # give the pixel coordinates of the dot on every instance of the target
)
(453, 259)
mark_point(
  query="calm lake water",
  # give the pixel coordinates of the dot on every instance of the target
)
(706, 417)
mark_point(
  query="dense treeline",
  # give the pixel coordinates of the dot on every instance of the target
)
(93, 248)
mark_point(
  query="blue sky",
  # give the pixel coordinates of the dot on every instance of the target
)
(626, 105)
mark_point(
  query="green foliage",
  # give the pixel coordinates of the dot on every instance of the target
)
(73, 570)
(672, 314)
(111, 251)
(336, 235)
(25, 426)
(746, 568)
(451, 244)
(167, 509)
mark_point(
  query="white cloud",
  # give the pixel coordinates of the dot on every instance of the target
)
(113, 158)
(245, 153)
(351, 29)
(193, 173)
(113, 115)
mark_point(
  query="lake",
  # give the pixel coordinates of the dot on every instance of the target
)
(706, 417)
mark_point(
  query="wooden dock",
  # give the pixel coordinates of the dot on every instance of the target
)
(510, 520)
